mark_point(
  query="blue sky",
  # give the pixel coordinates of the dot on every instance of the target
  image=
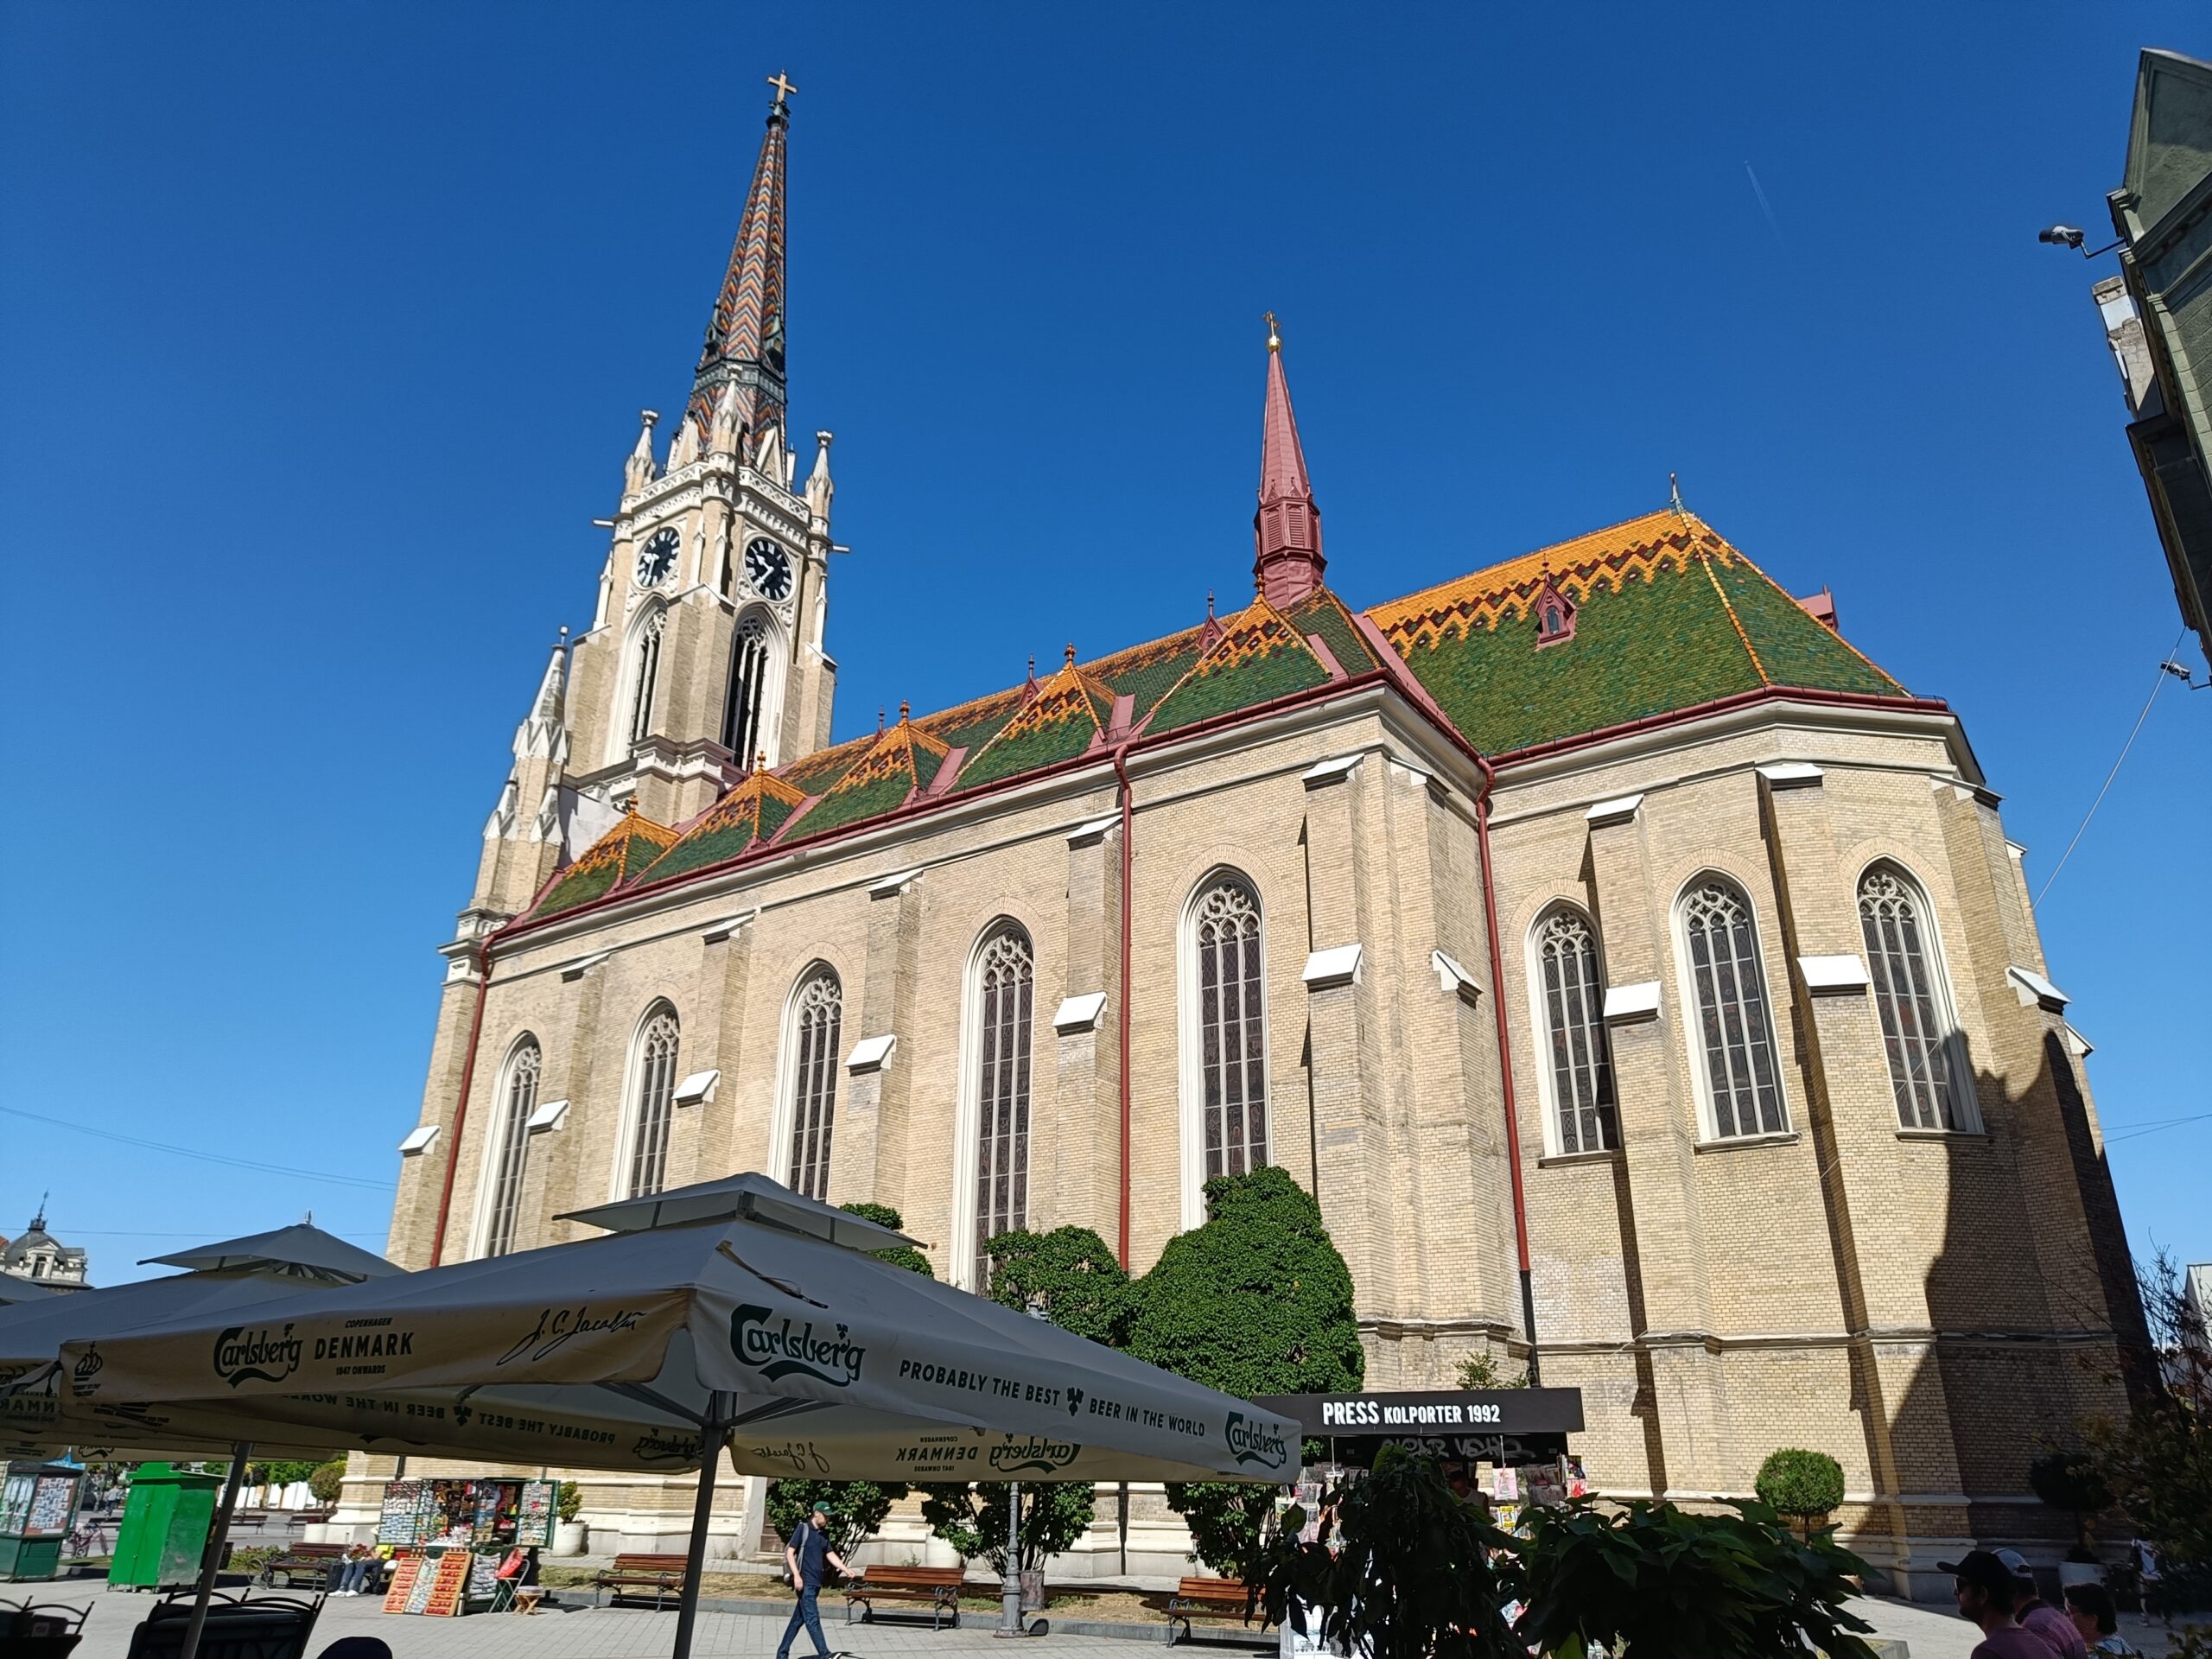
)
(325, 331)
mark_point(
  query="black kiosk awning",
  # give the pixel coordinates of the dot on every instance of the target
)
(1499, 1425)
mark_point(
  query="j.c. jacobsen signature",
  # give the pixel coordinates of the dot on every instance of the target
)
(557, 1327)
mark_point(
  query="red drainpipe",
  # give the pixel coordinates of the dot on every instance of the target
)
(1505, 1060)
(460, 1108)
(1122, 1000)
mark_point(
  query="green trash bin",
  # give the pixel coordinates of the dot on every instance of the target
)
(38, 1502)
(164, 1529)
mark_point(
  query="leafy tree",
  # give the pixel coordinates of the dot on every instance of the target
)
(1799, 1484)
(972, 1519)
(856, 1508)
(1665, 1584)
(1070, 1273)
(327, 1480)
(2156, 1460)
(1482, 1370)
(1256, 1301)
(899, 1255)
(1412, 1576)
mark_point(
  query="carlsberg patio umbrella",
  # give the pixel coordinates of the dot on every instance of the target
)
(745, 1310)
(219, 1280)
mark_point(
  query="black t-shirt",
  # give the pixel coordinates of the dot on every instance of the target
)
(812, 1547)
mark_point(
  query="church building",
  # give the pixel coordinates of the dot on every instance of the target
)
(1639, 976)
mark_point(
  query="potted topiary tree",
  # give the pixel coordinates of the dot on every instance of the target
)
(1805, 1486)
(570, 1536)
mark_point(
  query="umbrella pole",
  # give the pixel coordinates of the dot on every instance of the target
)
(1010, 1586)
(212, 1555)
(711, 1434)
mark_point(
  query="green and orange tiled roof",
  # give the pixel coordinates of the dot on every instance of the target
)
(1666, 616)
(616, 857)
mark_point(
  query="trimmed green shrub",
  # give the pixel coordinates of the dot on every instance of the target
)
(1072, 1274)
(327, 1480)
(972, 1519)
(1799, 1483)
(569, 1500)
(1256, 1301)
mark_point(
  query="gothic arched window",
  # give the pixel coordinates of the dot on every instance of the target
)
(1578, 1064)
(509, 1136)
(817, 1013)
(1004, 993)
(1919, 1036)
(652, 1101)
(646, 671)
(1735, 1025)
(745, 717)
(1225, 939)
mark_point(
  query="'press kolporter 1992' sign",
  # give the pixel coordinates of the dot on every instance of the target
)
(1512, 1411)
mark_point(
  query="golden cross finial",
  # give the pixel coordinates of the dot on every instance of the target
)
(759, 760)
(784, 88)
(906, 711)
(1071, 654)
(1275, 340)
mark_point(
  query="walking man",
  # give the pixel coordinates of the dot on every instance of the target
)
(808, 1556)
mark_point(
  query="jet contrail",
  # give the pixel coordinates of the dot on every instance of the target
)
(1772, 224)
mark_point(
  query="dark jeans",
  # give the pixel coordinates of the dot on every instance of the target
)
(804, 1613)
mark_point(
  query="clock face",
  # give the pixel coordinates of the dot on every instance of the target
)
(657, 557)
(769, 569)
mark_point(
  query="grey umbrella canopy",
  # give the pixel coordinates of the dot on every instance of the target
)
(222, 1277)
(737, 1306)
(726, 1305)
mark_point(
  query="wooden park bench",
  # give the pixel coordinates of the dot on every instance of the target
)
(1205, 1598)
(318, 1562)
(632, 1575)
(937, 1585)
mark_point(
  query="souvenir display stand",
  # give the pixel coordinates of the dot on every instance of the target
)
(38, 1502)
(452, 1535)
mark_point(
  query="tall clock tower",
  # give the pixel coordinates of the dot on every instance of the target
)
(705, 652)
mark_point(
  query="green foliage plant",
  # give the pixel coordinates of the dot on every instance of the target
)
(1482, 1370)
(1070, 1273)
(972, 1519)
(1660, 1583)
(856, 1508)
(899, 1255)
(1256, 1301)
(327, 1480)
(569, 1500)
(1800, 1484)
(1411, 1574)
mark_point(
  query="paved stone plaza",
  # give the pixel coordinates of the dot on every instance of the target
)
(582, 1631)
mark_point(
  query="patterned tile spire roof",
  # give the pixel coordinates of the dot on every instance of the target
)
(1287, 563)
(613, 859)
(900, 763)
(748, 815)
(745, 333)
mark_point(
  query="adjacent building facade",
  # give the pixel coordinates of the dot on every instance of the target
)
(1641, 977)
(2158, 314)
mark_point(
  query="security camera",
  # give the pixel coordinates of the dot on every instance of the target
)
(2061, 236)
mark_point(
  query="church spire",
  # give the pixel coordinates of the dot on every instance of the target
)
(745, 335)
(1286, 530)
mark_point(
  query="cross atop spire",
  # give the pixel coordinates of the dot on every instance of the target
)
(1286, 530)
(745, 334)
